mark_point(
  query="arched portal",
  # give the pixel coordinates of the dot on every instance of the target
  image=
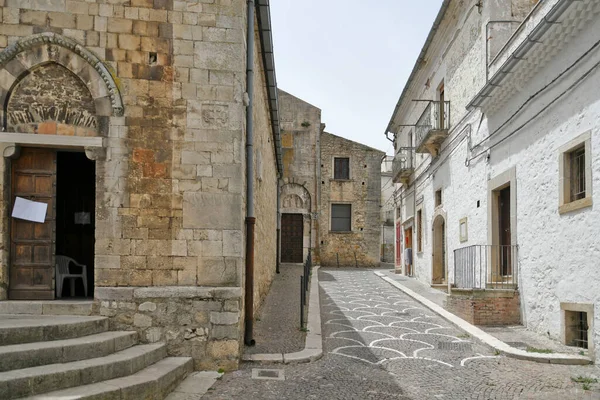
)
(57, 100)
(296, 224)
(439, 268)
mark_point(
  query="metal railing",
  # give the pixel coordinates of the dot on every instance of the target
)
(486, 267)
(435, 118)
(404, 163)
(304, 285)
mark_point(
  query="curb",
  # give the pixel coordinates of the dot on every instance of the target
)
(313, 345)
(552, 358)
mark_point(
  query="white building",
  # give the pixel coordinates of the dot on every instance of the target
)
(497, 135)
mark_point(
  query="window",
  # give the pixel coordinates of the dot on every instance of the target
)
(577, 167)
(340, 217)
(575, 174)
(341, 168)
(438, 198)
(419, 231)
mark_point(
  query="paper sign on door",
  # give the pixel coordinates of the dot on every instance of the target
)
(29, 210)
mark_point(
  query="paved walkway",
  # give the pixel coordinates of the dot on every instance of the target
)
(381, 344)
(277, 327)
(516, 336)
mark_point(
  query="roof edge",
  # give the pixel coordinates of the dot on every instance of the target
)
(263, 15)
(432, 32)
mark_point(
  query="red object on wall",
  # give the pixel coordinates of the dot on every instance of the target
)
(398, 244)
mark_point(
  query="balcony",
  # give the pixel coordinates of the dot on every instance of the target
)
(432, 127)
(403, 165)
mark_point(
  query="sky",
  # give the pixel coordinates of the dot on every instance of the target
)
(350, 58)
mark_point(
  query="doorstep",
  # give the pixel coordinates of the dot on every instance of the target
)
(47, 307)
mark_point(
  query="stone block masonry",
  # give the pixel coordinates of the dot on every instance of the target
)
(199, 321)
(170, 206)
(361, 245)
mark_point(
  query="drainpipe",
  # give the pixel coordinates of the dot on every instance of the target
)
(250, 219)
(278, 226)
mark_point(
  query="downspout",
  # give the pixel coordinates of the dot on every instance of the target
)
(250, 218)
(278, 226)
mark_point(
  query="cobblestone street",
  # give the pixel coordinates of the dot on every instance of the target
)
(381, 344)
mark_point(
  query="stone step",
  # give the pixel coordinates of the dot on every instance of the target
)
(47, 307)
(46, 378)
(152, 383)
(16, 329)
(27, 355)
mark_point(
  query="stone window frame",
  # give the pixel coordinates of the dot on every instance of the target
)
(565, 205)
(463, 238)
(331, 217)
(587, 308)
(333, 157)
(500, 181)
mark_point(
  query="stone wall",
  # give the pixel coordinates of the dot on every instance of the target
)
(301, 141)
(486, 307)
(170, 189)
(361, 246)
(265, 189)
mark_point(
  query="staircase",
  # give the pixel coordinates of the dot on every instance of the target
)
(74, 357)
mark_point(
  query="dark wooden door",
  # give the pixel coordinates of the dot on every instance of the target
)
(292, 237)
(504, 234)
(32, 243)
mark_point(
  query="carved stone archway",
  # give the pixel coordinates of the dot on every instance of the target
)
(19, 64)
(32, 51)
(296, 199)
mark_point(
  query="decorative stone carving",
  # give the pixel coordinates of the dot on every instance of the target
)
(53, 41)
(295, 197)
(293, 201)
(95, 153)
(11, 150)
(215, 115)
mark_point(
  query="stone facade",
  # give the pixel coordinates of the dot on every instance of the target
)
(512, 131)
(308, 187)
(301, 142)
(388, 210)
(161, 85)
(361, 245)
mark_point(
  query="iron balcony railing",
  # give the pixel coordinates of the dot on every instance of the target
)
(404, 163)
(486, 267)
(436, 117)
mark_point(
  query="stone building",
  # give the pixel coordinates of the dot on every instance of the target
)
(498, 165)
(130, 120)
(388, 211)
(330, 192)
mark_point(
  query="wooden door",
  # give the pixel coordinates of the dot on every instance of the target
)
(292, 238)
(398, 244)
(408, 245)
(504, 235)
(32, 243)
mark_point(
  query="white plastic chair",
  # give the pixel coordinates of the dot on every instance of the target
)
(62, 273)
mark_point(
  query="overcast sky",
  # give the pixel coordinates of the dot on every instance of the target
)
(350, 58)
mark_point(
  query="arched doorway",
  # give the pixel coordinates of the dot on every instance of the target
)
(57, 100)
(439, 267)
(295, 223)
